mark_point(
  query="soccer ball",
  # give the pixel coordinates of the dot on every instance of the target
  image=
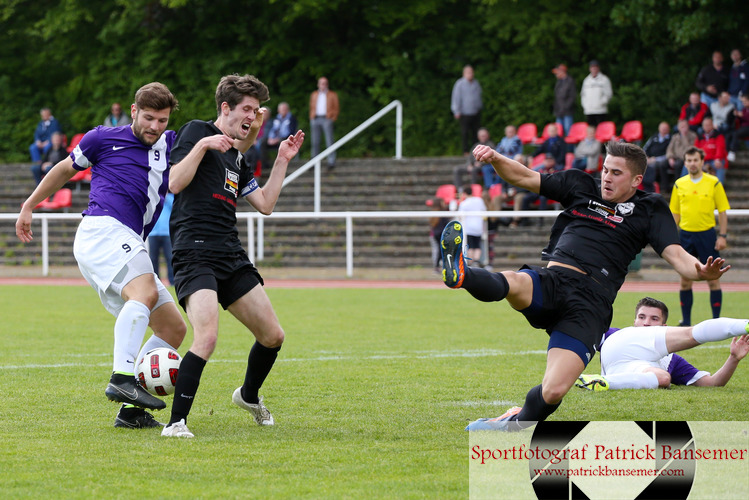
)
(157, 371)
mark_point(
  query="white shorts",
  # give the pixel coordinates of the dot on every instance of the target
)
(109, 256)
(630, 350)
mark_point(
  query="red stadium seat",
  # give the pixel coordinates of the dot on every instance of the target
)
(577, 133)
(477, 190)
(605, 131)
(632, 131)
(495, 190)
(537, 160)
(447, 192)
(528, 133)
(61, 199)
(74, 142)
(568, 159)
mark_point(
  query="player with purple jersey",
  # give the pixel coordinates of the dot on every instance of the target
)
(130, 173)
(642, 357)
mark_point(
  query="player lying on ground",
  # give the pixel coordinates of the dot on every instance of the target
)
(604, 225)
(633, 358)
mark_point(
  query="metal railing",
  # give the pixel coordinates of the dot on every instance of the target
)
(317, 160)
(256, 242)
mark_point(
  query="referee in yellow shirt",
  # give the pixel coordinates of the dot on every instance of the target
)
(694, 199)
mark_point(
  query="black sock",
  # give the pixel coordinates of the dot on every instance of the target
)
(188, 380)
(486, 286)
(716, 300)
(534, 410)
(259, 364)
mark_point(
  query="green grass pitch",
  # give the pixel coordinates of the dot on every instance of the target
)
(370, 393)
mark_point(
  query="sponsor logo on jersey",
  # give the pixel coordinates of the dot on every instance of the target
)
(232, 182)
(611, 214)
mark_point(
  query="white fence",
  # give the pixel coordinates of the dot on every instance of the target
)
(255, 226)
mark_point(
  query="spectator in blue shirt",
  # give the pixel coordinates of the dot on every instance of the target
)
(42, 135)
(510, 146)
(284, 125)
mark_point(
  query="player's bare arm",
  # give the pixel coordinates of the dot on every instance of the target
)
(264, 199)
(508, 169)
(691, 268)
(738, 350)
(182, 173)
(52, 182)
(260, 117)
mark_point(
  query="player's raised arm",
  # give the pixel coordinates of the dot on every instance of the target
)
(508, 169)
(52, 182)
(182, 173)
(691, 268)
(264, 200)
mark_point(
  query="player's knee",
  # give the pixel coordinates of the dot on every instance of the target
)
(553, 392)
(204, 345)
(273, 338)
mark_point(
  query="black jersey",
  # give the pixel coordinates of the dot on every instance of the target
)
(601, 237)
(204, 215)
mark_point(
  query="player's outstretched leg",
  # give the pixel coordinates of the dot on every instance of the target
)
(483, 285)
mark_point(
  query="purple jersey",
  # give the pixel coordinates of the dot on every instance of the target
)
(682, 371)
(128, 179)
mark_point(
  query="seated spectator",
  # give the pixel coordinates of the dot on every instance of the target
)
(43, 134)
(588, 152)
(283, 125)
(473, 225)
(55, 154)
(694, 112)
(656, 148)
(712, 79)
(742, 130)
(554, 145)
(714, 146)
(738, 79)
(680, 142)
(471, 166)
(116, 117)
(722, 112)
(509, 146)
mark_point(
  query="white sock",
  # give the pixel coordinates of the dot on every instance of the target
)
(153, 343)
(646, 380)
(713, 330)
(129, 330)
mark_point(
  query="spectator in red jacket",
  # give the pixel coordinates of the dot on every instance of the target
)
(694, 112)
(714, 146)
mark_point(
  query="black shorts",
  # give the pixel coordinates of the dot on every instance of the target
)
(230, 275)
(569, 302)
(700, 244)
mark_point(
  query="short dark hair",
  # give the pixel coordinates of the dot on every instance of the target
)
(155, 96)
(651, 302)
(694, 150)
(233, 88)
(633, 155)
